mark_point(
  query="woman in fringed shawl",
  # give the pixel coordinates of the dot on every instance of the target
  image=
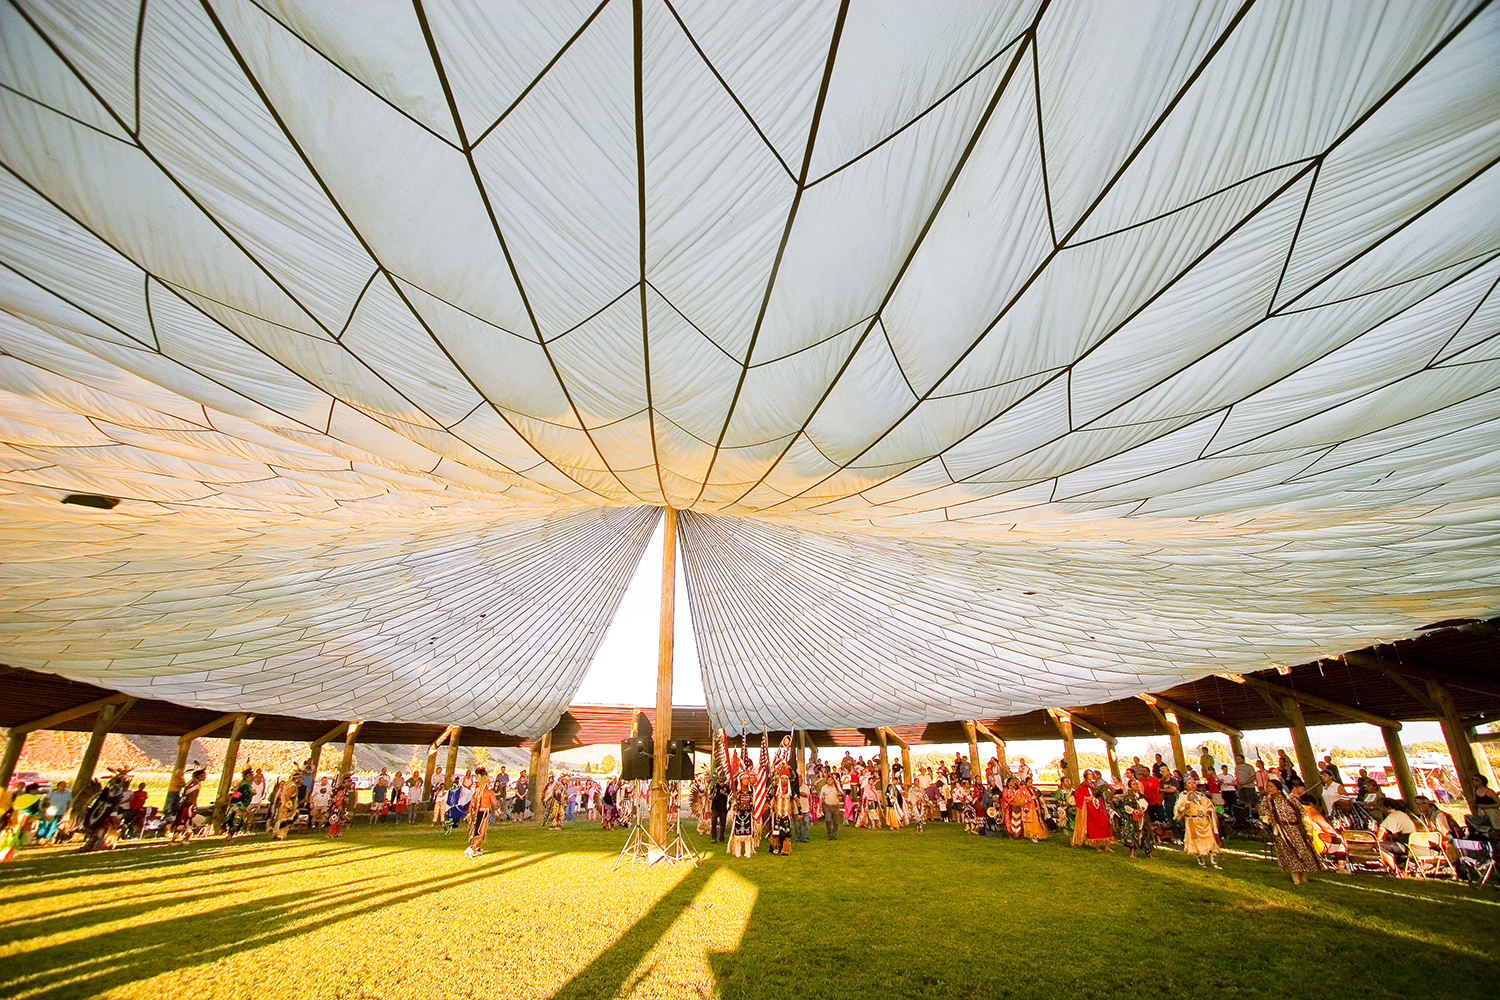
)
(1100, 836)
(1081, 796)
(1200, 823)
(1287, 821)
(1136, 830)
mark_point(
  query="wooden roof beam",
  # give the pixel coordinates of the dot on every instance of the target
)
(1396, 670)
(1315, 701)
(218, 723)
(1200, 718)
(67, 715)
(1094, 728)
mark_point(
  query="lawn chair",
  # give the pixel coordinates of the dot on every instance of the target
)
(1424, 856)
(1361, 851)
(1476, 860)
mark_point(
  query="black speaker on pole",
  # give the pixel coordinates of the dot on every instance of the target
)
(680, 760)
(635, 759)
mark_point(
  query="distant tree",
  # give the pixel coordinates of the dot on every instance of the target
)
(482, 757)
(587, 768)
(607, 764)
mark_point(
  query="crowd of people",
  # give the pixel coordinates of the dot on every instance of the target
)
(742, 804)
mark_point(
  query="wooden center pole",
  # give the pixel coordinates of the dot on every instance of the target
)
(663, 728)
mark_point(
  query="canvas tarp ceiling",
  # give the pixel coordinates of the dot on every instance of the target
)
(1003, 354)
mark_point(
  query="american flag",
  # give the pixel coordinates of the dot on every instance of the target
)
(761, 773)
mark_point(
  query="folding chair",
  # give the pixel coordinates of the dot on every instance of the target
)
(1424, 855)
(1362, 851)
(1476, 860)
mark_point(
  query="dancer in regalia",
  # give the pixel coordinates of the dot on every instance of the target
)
(340, 807)
(1063, 807)
(916, 806)
(237, 814)
(1081, 796)
(1136, 830)
(480, 807)
(1033, 827)
(1200, 824)
(742, 817)
(283, 807)
(1011, 806)
(781, 813)
(1287, 820)
(187, 807)
(1100, 835)
(104, 816)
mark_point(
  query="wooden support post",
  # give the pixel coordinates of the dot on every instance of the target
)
(1174, 731)
(1397, 752)
(184, 746)
(975, 773)
(109, 717)
(432, 750)
(662, 732)
(1114, 760)
(907, 777)
(453, 753)
(801, 742)
(1236, 748)
(346, 763)
(533, 785)
(315, 754)
(999, 749)
(226, 771)
(1064, 723)
(14, 743)
(1457, 736)
(543, 763)
(1307, 760)
(885, 776)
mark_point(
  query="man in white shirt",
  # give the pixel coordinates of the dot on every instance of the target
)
(1395, 829)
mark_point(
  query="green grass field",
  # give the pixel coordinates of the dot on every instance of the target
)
(399, 913)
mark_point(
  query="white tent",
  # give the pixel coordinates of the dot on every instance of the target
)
(1001, 355)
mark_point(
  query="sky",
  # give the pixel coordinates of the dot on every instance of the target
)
(624, 673)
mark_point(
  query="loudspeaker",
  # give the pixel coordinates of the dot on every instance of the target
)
(680, 760)
(635, 759)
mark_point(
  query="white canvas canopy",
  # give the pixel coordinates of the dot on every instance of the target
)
(1001, 355)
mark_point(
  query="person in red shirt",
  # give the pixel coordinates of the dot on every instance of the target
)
(135, 812)
(1151, 788)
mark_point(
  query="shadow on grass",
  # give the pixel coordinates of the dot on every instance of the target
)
(110, 959)
(607, 974)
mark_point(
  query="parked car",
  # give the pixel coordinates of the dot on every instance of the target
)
(20, 779)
